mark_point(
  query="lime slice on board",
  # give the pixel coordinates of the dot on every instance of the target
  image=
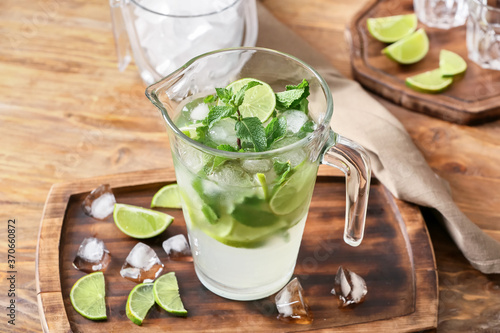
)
(451, 63)
(390, 29)
(88, 296)
(140, 222)
(166, 294)
(139, 301)
(410, 49)
(167, 197)
(259, 101)
(430, 82)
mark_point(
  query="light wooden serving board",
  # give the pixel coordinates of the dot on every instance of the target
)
(473, 97)
(396, 259)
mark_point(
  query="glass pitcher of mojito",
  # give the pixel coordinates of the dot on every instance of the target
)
(248, 128)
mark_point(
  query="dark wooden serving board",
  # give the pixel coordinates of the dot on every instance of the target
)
(396, 259)
(473, 97)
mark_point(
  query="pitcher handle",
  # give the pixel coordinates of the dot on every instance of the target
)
(354, 162)
(122, 43)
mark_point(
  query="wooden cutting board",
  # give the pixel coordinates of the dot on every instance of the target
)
(473, 97)
(396, 259)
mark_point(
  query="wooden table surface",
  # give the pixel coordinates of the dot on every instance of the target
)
(66, 113)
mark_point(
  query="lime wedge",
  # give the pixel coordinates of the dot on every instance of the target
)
(88, 296)
(410, 49)
(167, 197)
(295, 191)
(139, 301)
(390, 29)
(430, 82)
(140, 222)
(166, 294)
(259, 101)
(451, 63)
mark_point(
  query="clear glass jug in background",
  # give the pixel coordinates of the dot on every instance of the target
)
(163, 35)
(483, 33)
(245, 238)
(442, 14)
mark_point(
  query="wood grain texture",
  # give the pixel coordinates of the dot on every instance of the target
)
(67, 113)
(473, 97)
(395, 259)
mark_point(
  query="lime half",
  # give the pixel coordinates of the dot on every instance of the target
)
(410, 49)
(430, 82)
(166, 294)
(88, 296)
(167, 197)
(390, 29)
(451, 63)
(140, 222)
(259, 101)
(139, 301)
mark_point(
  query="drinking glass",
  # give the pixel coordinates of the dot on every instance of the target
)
(244, 226)
(163, 35)
(483, 34)
(442, 14)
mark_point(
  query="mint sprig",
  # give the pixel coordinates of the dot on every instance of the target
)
(275, 130)
(250, 132)
(250, 129)
(307, 128)
(282, 171)
(217, 113)
(292, 97)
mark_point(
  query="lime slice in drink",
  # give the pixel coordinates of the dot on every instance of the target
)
(88, 296)
(430, 82)
(451, 63)
(166, 294)
(190, 130)
(167, 197)
(259, 101)
(390, 29)
(139, 301)
(294, 191)
(140, 222)
(410, 49)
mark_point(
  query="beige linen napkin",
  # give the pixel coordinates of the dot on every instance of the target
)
(395, 160)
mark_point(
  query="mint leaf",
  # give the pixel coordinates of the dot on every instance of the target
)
(254, 212)
(210, 206)
(219, 160)
(209, 99)
(275, 130)
(240, 95)
(250, 129)
(292, 97)
(304, 106)
(224, 94)
(227, 148)
(282, 171)
(307, 128)
(217, 113)
(201, 133)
